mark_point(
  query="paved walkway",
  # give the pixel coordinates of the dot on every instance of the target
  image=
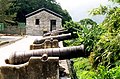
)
(9, 38)
(21, 45)
(64, 63)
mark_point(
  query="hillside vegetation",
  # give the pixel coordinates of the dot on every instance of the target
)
(102, 44)
(14, 11)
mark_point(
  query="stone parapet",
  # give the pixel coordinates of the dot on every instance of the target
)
(36, 68)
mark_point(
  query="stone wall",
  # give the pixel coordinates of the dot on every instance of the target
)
(44, 17)
(34, 69)
(14, 30)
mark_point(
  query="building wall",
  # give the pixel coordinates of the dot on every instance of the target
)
(44, 17)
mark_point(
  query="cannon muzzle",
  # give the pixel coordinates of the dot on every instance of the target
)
(62, 53)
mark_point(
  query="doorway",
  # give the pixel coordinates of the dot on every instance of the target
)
(52, 25)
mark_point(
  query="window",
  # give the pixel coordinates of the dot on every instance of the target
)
(53, 25)
(37, 22)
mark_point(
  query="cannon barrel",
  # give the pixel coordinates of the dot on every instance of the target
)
(49, 33)
(62, 53)
(58, 37)
(60, 29)
(56, 32)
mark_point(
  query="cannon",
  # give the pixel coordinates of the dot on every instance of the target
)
(49, 33)
(58, 37)
(56, 32)
(62, 53)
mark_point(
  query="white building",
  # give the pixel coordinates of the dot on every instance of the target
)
(42, 21)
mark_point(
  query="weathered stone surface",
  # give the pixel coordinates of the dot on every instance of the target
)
(45, 44)
(55, 44)
(11, 30)
(44, 26)
(36, 46)
(34, 69)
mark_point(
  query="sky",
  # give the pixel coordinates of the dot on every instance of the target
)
(79, 9)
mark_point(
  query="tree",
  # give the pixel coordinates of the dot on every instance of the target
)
(107, 49)
(5, 14)
(23, 7)
(118, 1)
(87, 31)
(102, 42)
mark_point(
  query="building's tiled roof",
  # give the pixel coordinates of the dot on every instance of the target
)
(43, 9)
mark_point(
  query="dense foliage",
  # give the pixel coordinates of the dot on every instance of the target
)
(102, 43)
(101, 72)
(88, 32)
(107, 49)
(19, 8)
(4, 6)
